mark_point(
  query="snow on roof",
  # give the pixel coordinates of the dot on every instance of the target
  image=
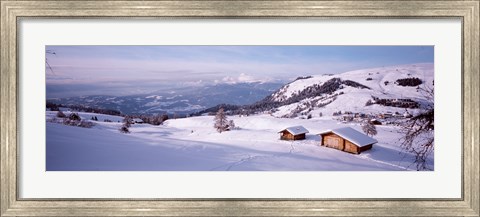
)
(137, 120)
(352, 135)
(296, 130)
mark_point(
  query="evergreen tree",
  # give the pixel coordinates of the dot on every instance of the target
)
(220, 121)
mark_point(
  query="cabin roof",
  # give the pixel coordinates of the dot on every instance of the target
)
(352, 135)
(295, 130)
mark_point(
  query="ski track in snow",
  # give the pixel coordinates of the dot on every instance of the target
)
(366, 157)
(251, 158)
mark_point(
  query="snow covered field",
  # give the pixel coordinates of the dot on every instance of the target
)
(192, 144)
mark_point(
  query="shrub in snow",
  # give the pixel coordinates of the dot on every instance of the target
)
(320, 114)
(78, 123)
(74, 117)
(70, 122)
(369, 129)
(309, 116)
(231, 125)
(107, 120)
(60, 114)
(369, 79)
(85, 124)
(124, 129)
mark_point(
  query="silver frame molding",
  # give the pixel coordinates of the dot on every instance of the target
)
(11, 11)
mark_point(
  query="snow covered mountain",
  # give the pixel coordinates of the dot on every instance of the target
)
(377, 90)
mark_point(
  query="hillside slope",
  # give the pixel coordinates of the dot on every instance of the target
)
(352, 90)
(192, 144)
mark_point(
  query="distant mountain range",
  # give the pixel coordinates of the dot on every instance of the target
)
(179, 101)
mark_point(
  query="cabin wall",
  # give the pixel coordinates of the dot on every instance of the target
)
(364, 148)
(288, 136)
(333, 141)
(352, 148)
(299, 137)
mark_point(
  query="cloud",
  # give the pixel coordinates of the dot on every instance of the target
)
(242, 78)
(245, 78)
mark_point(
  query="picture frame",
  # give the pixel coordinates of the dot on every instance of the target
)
(13, 11)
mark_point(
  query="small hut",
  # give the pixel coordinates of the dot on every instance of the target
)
(293, 133)
(375, 122)
(137, 121)
(347, 139)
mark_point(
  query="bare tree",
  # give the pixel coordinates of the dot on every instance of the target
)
(126, 124)
(127, 121)
(221, 123)
(46, 59)
(419, 132)
(231, 125)
(369, 129)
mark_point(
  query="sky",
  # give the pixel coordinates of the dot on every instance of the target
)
(129, 70)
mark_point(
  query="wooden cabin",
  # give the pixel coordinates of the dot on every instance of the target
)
(347, 139)
(375, 122)
(293, 133)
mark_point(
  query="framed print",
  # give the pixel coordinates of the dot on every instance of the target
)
(244, 108)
